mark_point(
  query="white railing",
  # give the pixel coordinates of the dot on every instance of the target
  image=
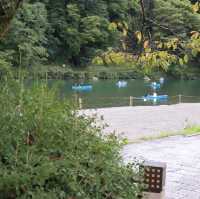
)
(100, 102)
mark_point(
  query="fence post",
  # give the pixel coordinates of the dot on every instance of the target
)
(80, 101)
(131, 101)
(179, 98)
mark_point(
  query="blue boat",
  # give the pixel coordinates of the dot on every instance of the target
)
(155, 85)
(162, 80)
(82, 87)
(155, 97)
(121, 84)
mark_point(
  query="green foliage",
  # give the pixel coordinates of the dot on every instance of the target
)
(177, 16)
(72, 31)
(7, 10)
(48, 151)
(191, 130)
(27, 36)
(115, 59)
(5, 64)
(75, 32)
(151, 61)
(80, 29)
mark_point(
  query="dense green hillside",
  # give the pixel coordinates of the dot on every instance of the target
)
(145, 34)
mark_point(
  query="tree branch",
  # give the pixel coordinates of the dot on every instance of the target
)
(163, 27)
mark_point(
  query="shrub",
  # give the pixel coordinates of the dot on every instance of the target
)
(47, 151)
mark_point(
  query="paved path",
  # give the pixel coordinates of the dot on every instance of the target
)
(182, 155)
(144, 121)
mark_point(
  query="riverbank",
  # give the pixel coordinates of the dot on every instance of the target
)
(143, 122)
(65, 72)
(86, 73)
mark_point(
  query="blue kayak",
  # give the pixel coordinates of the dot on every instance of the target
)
(152, 97)
(162, 80)
(155, 85)
(121, 84)
(82, 87)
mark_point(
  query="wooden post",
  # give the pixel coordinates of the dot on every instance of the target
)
(76, 99)
(46, 76)
(80, 101)
(179, 98)
(131, 101)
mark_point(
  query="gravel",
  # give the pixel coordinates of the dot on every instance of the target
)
(146, 121)
(180, 153)
(183, 163)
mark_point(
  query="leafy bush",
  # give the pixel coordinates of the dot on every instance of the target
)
(47, 151)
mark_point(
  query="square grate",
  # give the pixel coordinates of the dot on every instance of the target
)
(154, 176)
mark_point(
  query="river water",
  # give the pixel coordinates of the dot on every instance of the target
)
(105, 93)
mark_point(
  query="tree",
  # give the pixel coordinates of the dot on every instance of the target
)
(75, 31)
(7, 11)
(79, 29)
(174, 18)
(27, 35)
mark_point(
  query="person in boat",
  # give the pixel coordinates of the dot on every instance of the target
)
(162, 80)
(154, 83)
(155, 94)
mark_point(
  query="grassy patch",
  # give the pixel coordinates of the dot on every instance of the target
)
(188, 131)
(159, 136)
(191, 130)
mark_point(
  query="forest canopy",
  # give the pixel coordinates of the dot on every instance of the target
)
(78, 33)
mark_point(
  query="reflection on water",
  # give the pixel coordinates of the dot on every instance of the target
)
(105, 93)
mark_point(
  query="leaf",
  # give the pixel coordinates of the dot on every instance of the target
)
(125, 32)
(192, 32)
(119, 24)
(138, 35)
(160, 45)
(147, 54)
(147, 50)
(181, 62)
(124, 46)
(146, 44)
(186, 58)
(195, 34)
(195, 7)
(194, 52)
(112, 26)
(125, 25)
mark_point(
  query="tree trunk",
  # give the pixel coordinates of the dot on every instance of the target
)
(7, 11)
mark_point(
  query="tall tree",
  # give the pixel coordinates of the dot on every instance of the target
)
(7, 11)
(27, 35)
